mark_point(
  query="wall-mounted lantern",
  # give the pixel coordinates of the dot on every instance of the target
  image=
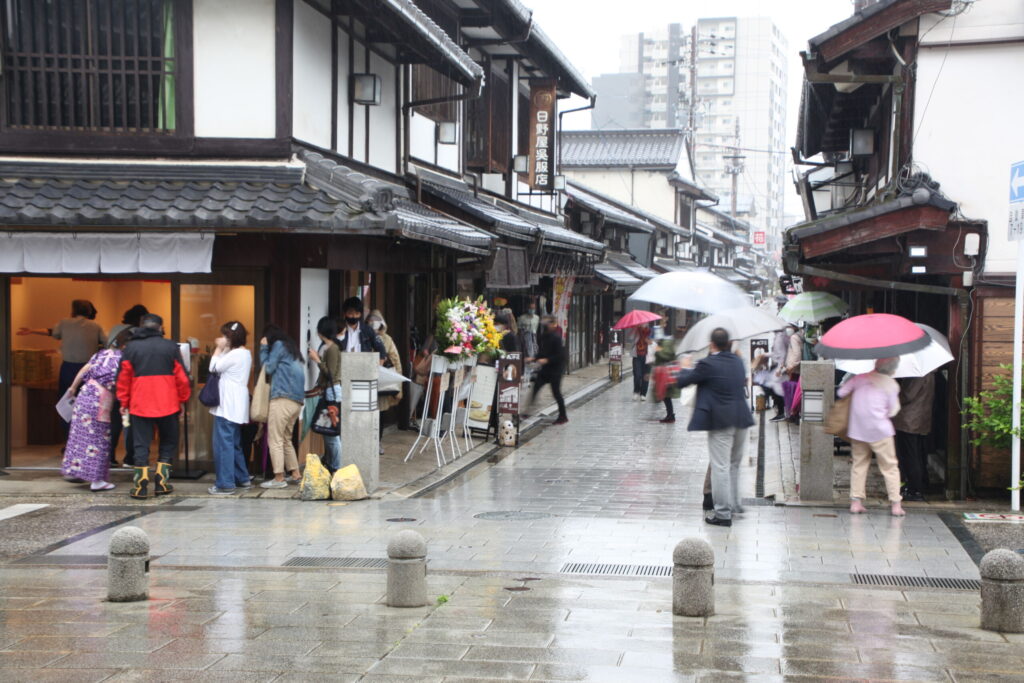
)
(366, 89)
(521, 163)
(918, 251)
(447, 132)
(559, 182)
(862, 142)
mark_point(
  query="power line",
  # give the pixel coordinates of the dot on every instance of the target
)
(743, 149)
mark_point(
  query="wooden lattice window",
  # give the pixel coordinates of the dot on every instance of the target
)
(489, 127)
(90, 65)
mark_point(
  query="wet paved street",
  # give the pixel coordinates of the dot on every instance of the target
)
(613, 486)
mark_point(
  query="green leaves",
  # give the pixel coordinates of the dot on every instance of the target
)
(989, 414)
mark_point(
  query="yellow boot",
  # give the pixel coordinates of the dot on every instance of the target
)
(161, 487)
(140, 485)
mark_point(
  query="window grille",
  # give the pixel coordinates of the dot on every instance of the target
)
(89, 65)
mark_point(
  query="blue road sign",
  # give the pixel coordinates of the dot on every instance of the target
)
(1017, 182)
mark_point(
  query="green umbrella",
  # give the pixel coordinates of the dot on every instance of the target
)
(812, 307)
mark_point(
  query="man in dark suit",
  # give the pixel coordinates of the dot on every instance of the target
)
(551, 358)
(721, 410)
(356, 335)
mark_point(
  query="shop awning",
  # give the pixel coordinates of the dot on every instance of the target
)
(668, 266)
(594, 203)
(731, 276)
(633, 268)
(614, 275)
(105, 252)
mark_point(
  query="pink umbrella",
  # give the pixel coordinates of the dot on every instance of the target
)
(635, 319)
(876, 335)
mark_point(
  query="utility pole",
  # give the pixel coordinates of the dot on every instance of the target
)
(691, 129)
(734, 169)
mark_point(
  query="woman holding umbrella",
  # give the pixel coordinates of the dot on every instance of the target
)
(639, 320)
(875, 395)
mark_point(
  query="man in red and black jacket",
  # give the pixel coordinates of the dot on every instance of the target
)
(151, 386)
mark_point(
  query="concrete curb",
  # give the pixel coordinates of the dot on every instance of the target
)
(529, 429)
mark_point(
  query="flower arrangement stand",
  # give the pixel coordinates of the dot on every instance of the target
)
(430, 426)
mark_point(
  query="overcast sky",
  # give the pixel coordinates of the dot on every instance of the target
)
(589, 33)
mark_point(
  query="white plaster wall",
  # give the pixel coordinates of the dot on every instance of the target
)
(421, 138)
(970, 132)
(343, 93)
(384, 117)
(234, 65)
(647, 190)
(358, 110)
(311, 76)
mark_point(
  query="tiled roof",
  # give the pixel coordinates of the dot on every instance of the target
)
(614, 275)
(648, 217)
(504, 218)
(312, 194)
(437, 41)
(646, 148)
(633, 268)
(595, 203)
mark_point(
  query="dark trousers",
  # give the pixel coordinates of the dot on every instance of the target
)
(143, 429)
(641, 373)
(912, 457)
(116, 428)
(670, 411)
(555, 380)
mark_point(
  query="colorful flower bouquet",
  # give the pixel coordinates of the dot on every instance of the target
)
(466, 328)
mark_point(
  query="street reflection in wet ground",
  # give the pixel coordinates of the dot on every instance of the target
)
(612, 486)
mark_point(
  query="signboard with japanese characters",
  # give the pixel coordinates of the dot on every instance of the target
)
(759, 237)
(510, 374)
(543, 98)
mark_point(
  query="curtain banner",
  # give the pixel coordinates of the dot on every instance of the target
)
(97, 252)
(562, 298)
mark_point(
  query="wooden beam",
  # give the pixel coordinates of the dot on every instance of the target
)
(870, 230)
(893, 16)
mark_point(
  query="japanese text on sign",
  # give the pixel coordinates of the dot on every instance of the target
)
(542, 134)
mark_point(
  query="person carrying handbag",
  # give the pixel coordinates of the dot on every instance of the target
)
(282, 363)
(231, 365)
(328, 360)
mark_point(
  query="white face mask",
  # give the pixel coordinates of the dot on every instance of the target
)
(376, 325)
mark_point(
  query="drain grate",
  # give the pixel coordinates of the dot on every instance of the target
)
(511, 515)
(148, 509)
(347, 562)
(616, 569)
(915, 582)
(757, 502)
(64, 559)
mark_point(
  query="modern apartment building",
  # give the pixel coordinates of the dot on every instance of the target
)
(738, 106)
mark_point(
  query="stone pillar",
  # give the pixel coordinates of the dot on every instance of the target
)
(818, 383)
(693, 578)
(407, 570)
(128, 565)
(1002, 591)
(360, 417)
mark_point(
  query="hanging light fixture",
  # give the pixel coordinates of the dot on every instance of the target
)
(366, 89)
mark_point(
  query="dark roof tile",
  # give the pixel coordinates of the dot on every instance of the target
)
(645, 148)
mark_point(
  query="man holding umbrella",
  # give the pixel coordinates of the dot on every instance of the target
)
(721, 410)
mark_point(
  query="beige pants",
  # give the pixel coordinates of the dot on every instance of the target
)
(885, 454)
(280, 424)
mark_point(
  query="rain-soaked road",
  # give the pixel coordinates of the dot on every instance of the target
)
(612, 487)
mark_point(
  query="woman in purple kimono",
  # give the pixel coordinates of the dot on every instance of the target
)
(87, 456)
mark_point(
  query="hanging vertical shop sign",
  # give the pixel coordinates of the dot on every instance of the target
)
(562, 298)
(542, 134)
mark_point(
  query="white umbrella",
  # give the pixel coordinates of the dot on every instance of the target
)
(741, 323)
(693, 291)
(916, 364)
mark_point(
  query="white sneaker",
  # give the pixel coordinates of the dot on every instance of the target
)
(274, 484)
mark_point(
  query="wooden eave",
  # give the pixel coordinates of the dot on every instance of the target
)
(874, 229)
(879, 23)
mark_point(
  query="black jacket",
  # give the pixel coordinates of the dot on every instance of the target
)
(721, 382)
(368, 340)
(510, 342)
(551, 347)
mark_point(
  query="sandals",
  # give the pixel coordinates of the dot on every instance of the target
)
(105, 486)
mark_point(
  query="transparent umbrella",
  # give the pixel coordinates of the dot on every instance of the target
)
(741, 323)
(915, 364)
(692, 291)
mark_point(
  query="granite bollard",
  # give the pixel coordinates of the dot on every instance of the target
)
(128, 565)
(1002, 591)
(693, 578)
(407, 570)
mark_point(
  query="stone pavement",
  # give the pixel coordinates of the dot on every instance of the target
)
(613, 487)
(396, 475)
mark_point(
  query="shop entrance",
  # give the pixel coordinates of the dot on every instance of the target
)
(193, 309)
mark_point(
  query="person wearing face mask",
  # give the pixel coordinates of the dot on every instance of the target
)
(551, 358)
(386, 401)
(529, 323)
(357, 336)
